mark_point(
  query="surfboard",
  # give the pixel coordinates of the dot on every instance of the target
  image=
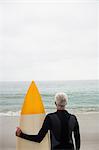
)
(31, 120)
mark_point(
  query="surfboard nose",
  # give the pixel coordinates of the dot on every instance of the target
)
(32, 102)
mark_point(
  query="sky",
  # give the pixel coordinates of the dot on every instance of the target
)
(52, 40)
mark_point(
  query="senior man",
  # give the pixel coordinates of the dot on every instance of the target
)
(61, 125)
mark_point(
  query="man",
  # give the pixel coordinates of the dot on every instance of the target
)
(61, 125)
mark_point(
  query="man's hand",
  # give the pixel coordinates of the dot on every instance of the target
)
(18, 131)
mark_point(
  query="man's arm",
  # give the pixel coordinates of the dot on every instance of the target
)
(77, 135)
(39, 137)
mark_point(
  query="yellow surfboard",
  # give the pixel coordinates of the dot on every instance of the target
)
(31, 120)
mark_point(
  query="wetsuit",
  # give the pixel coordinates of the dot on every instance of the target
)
(61, 125)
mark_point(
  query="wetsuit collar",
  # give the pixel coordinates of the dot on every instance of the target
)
(62, 111)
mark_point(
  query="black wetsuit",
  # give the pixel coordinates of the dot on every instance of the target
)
(61, 125)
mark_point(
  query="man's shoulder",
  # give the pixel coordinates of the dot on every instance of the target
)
(73, 118)
(51, 114)
(72, 115)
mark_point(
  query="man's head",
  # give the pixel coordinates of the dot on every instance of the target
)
(61, 100)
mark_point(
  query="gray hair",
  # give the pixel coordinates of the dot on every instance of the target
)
(61, 99)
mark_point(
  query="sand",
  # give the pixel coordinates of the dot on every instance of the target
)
(89, 128)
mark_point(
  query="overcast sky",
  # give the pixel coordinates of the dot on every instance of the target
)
(48, 40)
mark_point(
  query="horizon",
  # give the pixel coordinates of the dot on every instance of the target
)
(47, 80)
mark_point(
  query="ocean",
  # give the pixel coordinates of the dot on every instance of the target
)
(83, 95)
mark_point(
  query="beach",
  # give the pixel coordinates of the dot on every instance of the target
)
(83, 102)
(89, 128)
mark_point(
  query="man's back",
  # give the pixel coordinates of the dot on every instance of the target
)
(61, 125)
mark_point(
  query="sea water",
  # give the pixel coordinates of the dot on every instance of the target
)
(83, 95)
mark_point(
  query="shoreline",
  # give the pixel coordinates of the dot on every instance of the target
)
(17, 113)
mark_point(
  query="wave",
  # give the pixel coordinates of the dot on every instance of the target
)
(11, 96)
(52, 109)
(10, 113)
